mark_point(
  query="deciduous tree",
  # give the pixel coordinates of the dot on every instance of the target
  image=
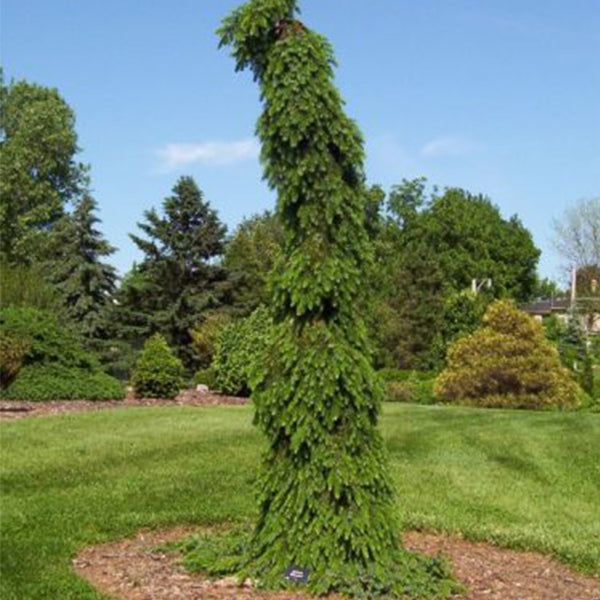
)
(472, 240)
(577, 234)
(39, 170)
(251, 255)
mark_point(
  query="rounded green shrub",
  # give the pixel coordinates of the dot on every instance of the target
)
(508, 362)
(237, 347)
(56, 366)
(158, 373)
(39, 382)
(50, 341)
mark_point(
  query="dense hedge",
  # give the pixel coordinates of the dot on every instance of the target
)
(56, 366)
(508, 362)
(158, 373)
(238, 345)
(56, 382)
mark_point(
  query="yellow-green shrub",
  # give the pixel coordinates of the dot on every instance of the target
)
(506, 363)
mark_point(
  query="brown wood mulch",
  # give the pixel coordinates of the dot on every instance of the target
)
(133, 569)
(15, 409)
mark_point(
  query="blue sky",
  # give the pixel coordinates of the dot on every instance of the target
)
(500, 97)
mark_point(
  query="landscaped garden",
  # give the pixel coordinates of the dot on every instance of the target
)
(212, 421)
(519, 479)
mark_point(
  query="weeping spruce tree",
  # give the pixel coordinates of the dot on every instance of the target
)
(326, 501)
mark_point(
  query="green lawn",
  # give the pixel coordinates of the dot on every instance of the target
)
(522, 479)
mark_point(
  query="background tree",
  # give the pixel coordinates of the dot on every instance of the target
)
(548, 288)
(577, 234)
(461, 315)
(39, 171)
(84, 281)
(238, 347)
(56, 365)
(26, 285)
(375, 198)
(251, 255)
(130, 320)
(574, 352)
(587, 283)
(326, 502)
(409, 317)
(429, 245)
(180, 280)
(405, 201)
(206, 334)
(12, 353)
(472, 240)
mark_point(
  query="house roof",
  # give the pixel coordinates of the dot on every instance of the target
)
(547, 306)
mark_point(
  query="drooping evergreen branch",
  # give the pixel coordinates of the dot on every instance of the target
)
(326, 501)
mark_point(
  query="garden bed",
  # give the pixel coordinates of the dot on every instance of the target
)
(10, 409)
(133, 569)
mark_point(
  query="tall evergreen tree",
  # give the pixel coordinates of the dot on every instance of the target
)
(326, 500)
(84, 281)
(130, 321)
(132, 311)
(181, 280)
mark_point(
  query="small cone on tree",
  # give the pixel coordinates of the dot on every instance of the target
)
(508, 362)
(326, 502)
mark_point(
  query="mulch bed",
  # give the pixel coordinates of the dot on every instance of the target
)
(15, 409)
(133, 569)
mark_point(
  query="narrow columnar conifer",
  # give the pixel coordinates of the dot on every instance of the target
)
(325, 502)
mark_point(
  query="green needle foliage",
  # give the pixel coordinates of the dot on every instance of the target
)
(507, 362)
(158, 373)
(179, 281)
(85, 283)
(326, 501)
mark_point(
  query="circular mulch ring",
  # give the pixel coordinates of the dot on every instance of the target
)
(16, 409)
(133, 569)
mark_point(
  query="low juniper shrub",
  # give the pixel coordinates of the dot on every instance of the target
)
(55, 364)
(39, 382)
